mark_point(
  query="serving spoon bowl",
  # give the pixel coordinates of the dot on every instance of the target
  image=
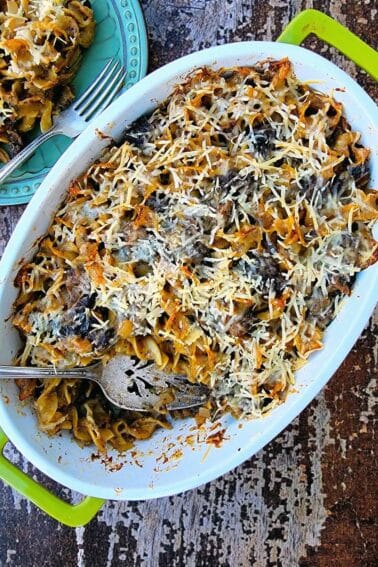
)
(127, 383)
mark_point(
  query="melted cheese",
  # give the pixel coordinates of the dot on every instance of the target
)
(217, 230)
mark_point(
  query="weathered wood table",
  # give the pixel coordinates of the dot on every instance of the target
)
(308, 498)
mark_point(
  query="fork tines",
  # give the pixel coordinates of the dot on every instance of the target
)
(101, 92)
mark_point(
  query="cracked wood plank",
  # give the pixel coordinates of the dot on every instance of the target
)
(308, 499)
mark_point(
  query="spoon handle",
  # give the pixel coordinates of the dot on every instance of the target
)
(35, 372)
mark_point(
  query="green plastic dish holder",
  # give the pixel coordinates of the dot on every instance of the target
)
(305, 23)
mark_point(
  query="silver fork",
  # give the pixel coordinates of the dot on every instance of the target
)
(72, 121)
(127, 383)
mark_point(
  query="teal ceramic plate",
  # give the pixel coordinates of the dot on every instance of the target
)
(120, 32)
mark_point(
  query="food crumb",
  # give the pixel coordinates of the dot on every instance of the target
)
(217, 438)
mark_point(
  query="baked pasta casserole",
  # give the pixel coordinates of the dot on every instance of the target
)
(41, 42)
(217, 240)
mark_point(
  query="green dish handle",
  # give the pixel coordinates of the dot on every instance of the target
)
(68, 514)
(332, 32)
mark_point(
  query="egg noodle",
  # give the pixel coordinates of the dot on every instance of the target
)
(217, 240)
(40, 47)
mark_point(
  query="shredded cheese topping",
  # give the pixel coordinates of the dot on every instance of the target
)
(217, 240)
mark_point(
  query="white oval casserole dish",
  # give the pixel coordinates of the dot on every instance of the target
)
(197, 462)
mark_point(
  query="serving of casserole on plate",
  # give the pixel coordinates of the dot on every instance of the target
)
(219, 237)
(51, 50)
(41, 45)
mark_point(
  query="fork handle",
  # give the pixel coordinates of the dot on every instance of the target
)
(24, 154)
(34, 372)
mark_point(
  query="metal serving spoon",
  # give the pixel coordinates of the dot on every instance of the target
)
(127, 383)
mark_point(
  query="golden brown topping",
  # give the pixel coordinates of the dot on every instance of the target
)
(217, 241)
